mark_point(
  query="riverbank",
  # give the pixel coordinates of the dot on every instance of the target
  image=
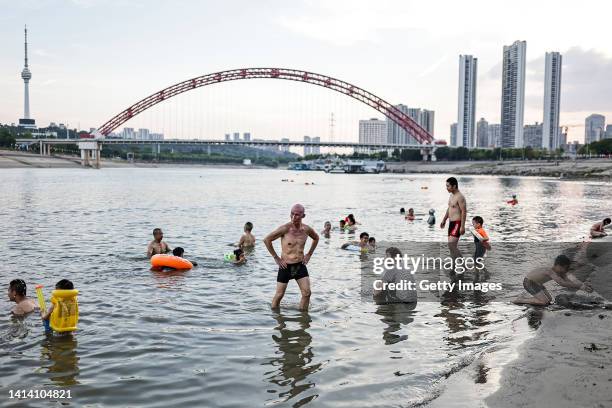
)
(600, 169)
(10, 159)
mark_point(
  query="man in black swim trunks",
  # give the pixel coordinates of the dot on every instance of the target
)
(292, 262)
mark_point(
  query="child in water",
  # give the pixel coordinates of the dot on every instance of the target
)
(514, 201)
(68, 306)
(178, 251)
(326, 229)
(372, 243)
(481, 238)
(247, 240)
(240, 257)
(410, 216)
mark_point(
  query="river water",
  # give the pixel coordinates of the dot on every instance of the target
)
(207, 337)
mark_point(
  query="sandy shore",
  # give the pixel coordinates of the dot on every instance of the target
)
(571, 169)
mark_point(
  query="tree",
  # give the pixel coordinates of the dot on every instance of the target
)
(6, 138)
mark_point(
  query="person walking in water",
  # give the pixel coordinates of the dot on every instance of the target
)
(456, 214)
(292, 261)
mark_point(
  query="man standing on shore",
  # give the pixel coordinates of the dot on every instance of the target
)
(456, 214)
(292, 262)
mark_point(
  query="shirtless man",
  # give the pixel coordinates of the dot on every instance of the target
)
(157, 246)
(597, 230)
(17, 293)
(292, 262)
(247, 240)
(456, 213)
(534, 282)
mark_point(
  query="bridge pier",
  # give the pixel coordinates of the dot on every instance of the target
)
(90, 154)
(429, 154)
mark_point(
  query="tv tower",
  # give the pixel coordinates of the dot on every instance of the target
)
(26, 75)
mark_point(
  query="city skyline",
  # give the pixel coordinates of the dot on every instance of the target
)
(71, 86)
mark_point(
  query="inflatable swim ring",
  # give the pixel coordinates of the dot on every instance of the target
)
(229, 257)
(170, 261)
(356, 248)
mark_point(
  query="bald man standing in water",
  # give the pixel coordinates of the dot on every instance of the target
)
(292, 262)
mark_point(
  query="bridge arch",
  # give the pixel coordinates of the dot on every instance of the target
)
(368, 98)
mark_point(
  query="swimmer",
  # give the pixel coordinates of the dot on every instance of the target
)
(342, 225)
(534, 282)
(456, 213)
(178, 251)
(514, 201)
(292, 261)
(240, 257)
(247, 240)
(402, 211)
(597, 230)
(157, 246)
(350, 220)
(17, 292)
(326, 229)
(64, 284)
(432, 218)
(372, 243)
(364, 237)
(410, 216)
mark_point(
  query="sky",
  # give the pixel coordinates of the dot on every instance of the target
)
(90, 59)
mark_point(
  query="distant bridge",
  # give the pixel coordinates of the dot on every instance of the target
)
(90, 148)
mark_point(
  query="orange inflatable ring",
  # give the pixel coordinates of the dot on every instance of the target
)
(170, 261)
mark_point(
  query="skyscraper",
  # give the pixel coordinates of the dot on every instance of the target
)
(594, 128)
(552, 101)
(316, 149)
(513, 94)
(532, 135)
(494, 130)
(609, 132)
(466, 112)
(453, 134)
(247, 136)
(482, 133)
(397, 135)
(26, 75)
(307, 148)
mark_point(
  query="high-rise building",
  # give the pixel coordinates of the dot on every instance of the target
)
(26, 122)
(466, 112)
(482, 133)
(236, 136)
(228, 137)
(513, 94)
(142, 134)
(127, 133)
(532, 135)
(552, 101)
(246, 136)
(372, 131)
(453, 134)
(397, 135)
(562, 138)
(594, 128)
(494, 130)
(609, 132)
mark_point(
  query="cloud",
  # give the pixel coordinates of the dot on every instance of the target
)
(43, 53)
(586, 81)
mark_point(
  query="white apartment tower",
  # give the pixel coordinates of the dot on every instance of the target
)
(513, 94)
(466, 112)
(552, 101)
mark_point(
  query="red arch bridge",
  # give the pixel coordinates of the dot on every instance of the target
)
(90, 148)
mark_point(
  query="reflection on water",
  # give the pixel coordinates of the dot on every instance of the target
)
(206, 336)
(294, 361)
(58, 355)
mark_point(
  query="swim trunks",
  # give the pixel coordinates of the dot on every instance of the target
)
(532, 287)
(453, 228)
(293, 271)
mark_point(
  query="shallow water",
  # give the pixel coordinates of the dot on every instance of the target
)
(207, 337)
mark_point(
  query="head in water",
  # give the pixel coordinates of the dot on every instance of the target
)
(342, 223)
(372, 242)
(248, 226)
(411, 211)
(351, 219)
(327, 226)
(432, 211)
(239, 253)
(297, 214)
(363, 238)
(64, 284)
(402, 211)
(158, 235)
(17, 290)
(606, 221)
(452, 184)
(178, 251)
